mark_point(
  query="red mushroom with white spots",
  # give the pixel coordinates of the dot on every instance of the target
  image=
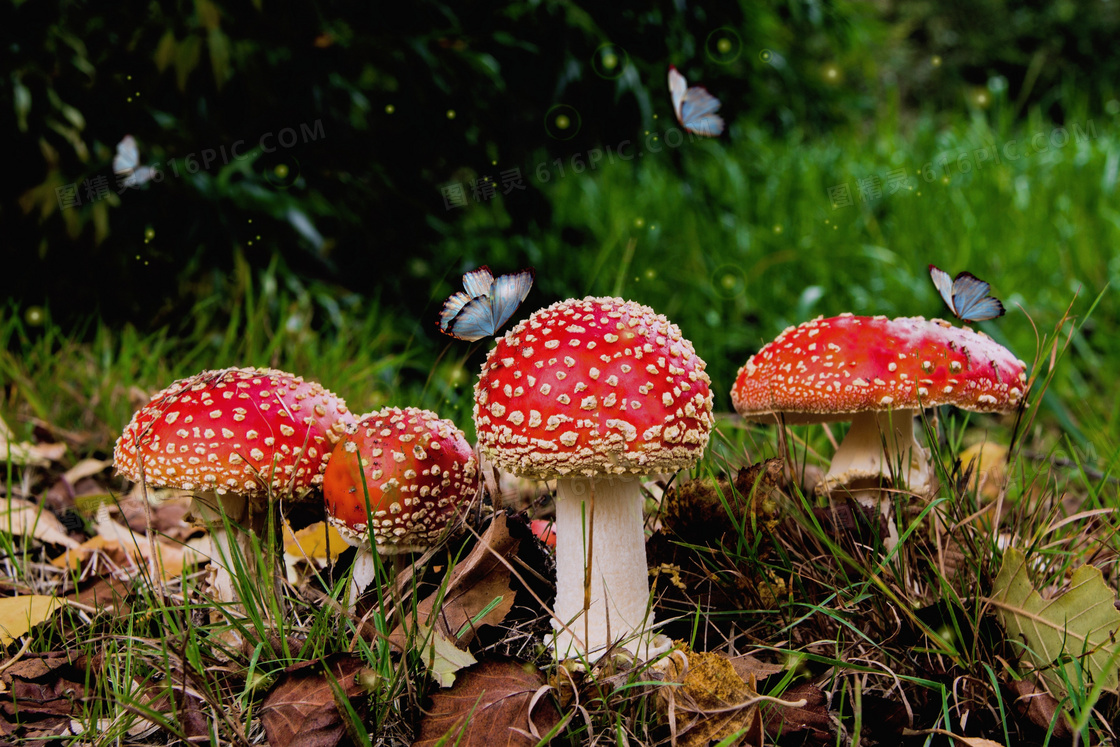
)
(238, 437)
(878, 373)
(419, 474)
(596, 392)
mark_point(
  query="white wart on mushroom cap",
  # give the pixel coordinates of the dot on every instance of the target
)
(418, 471)
(594, 392)
(852, 367)
(238, 430)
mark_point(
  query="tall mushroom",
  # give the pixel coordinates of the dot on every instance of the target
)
(596, 392)
(419, 474)
(238, 437)
(878, 373)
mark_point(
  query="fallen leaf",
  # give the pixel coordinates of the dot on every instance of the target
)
(302, 709)
(477, 581)
(441, 656)
(27, 454)
(1080, 624)
(746, 666)
(496, 703)
(1040, 708)
(811, 718)
(18, 615)
(319, 541)
(44, 691)
(25, 518)
(162, 557)
(167, 514)
(986, 463)
(86, 468)
(105, 592)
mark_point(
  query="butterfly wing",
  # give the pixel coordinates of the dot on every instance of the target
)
(507, 294)
(474, 321)
(971, 299)
(126, 164)
(698, 112)
(127, 157)
(477, 282)
(944, 285)
(678, 86)
(451, 309)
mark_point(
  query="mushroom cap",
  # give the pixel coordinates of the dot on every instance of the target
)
(825, 369)
(250, 431)
(590, 387)
(417, 469)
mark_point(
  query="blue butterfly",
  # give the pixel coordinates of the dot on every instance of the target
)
(695, 107)
(966, 295)
(484, 304)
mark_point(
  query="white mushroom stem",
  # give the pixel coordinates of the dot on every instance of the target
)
(880, 445)
(601, 519)
(233, 548)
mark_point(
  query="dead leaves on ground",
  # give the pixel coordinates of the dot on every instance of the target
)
(495, 703)
(40, 694)
(717, 700)
(478, 593)
(310, 704)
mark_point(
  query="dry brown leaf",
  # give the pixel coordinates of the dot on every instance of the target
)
(86, 468)
(746, 665)
(301, 710)
(168, 515)
(491, 705)
(104, 592)
(1040, 708)
(478, 580)
(25, 518)
(18, 615)
(163, 558)
(43, 691)
(811, 718)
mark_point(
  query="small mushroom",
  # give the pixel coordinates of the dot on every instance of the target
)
(878, 373)
(595, 392)
(418, 473)
(238, 438)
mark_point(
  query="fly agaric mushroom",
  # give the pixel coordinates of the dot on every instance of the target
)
(878, 373)
(418, 472)
(595, 392)
(237, 437)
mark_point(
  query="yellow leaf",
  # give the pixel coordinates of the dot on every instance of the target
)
(988, 462)
(442, 657)
(1080, 624)
(18, 615)
(320, 541)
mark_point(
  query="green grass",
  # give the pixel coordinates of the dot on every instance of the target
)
(733, 240)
